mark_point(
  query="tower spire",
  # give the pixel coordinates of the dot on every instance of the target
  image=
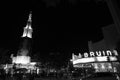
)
(28, 29)
(30, 17)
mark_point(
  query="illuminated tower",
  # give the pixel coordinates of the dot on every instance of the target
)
(28, 29)
(25, 47)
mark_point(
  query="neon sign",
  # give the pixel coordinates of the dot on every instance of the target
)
(98, 56)
(95, 54)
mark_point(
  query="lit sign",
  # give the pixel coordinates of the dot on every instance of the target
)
(98, 56)
(104, 58)
(95, 54)
(83, 60)
(94, 59)
(113, 58)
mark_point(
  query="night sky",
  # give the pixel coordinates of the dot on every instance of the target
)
(57, 29)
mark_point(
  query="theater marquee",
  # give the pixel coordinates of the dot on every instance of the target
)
(102, 61)
(98, 54)
(95, 56)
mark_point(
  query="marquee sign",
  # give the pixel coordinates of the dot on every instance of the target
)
(98, 56)
(99, 60)
(95, 54)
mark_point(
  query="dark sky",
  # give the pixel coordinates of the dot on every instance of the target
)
(64, 27)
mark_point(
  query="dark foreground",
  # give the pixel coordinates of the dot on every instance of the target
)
(99, 78)
(91, 77)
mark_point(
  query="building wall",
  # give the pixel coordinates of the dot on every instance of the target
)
(110, 41)
(111, 36)
(98, 46)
